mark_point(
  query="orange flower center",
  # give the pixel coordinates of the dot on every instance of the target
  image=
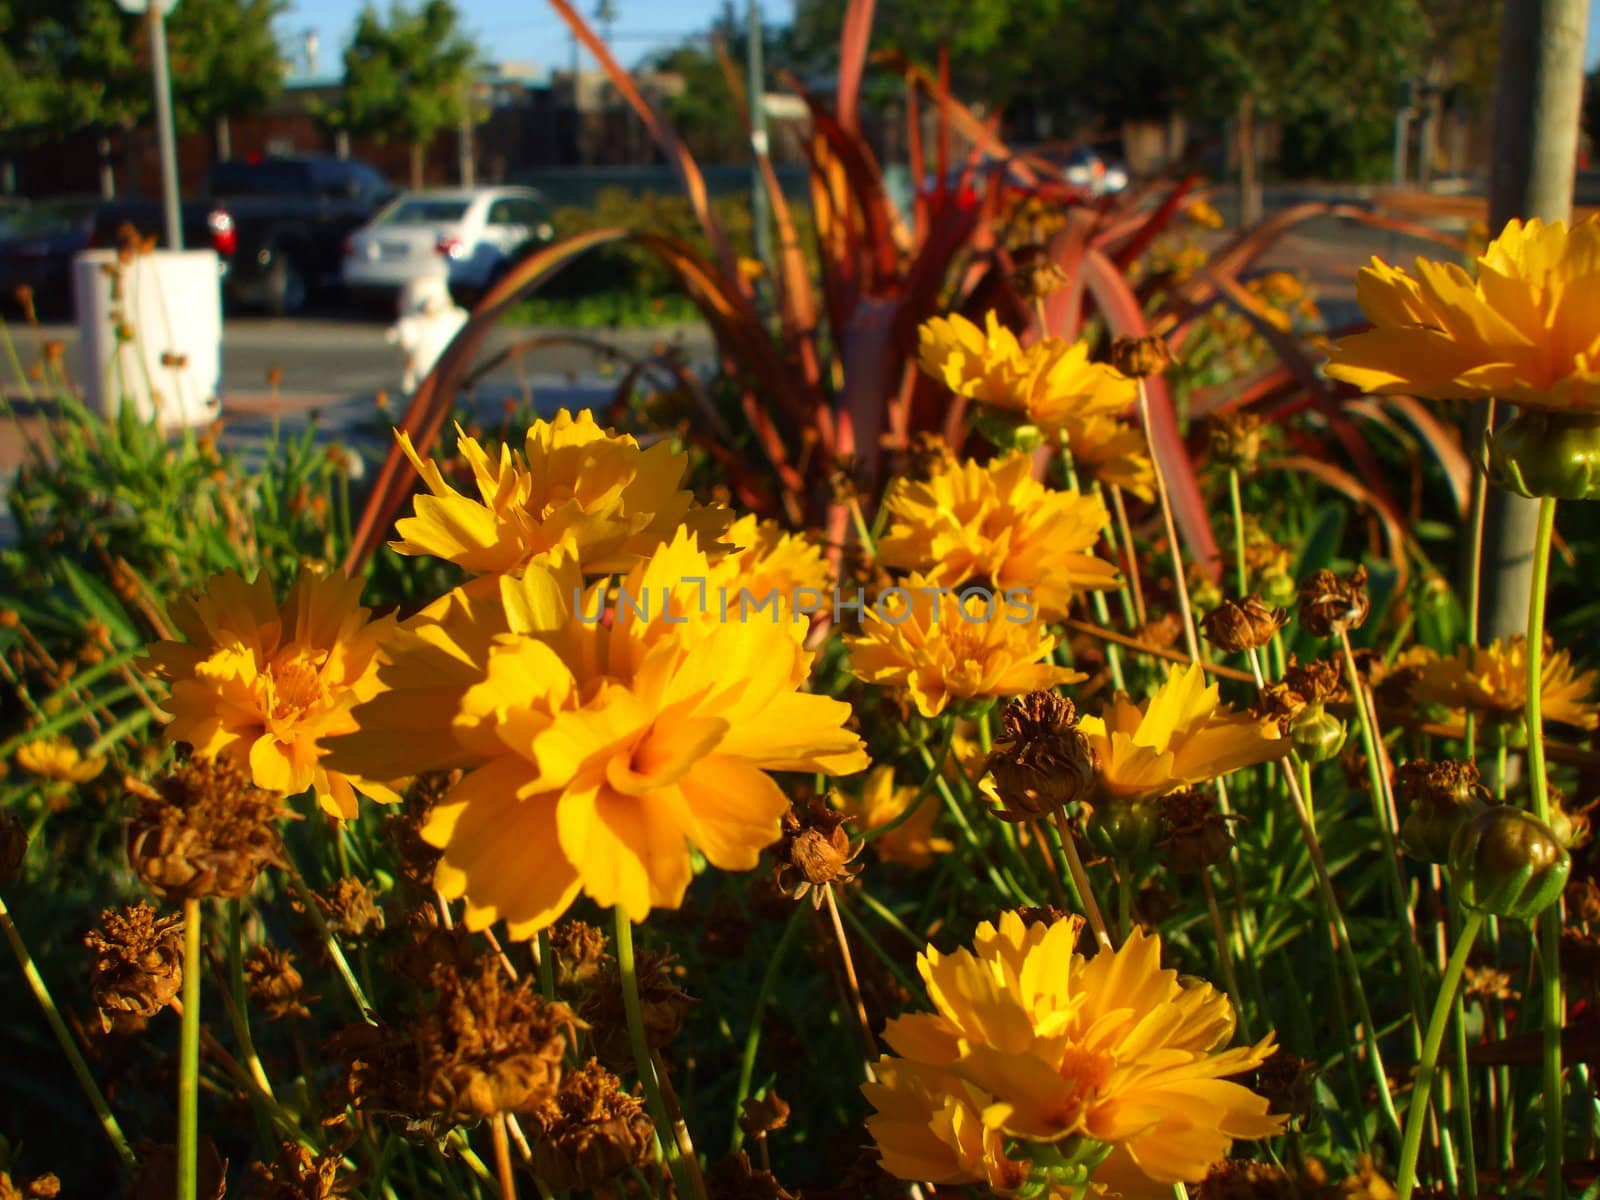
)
(1086, 1071)
(296, 686)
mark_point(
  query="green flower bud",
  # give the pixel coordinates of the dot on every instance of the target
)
(1317, 734)
(1508, 862)
(1005, 433)
(1539, 453)
(1278, 588)
(1125, 830)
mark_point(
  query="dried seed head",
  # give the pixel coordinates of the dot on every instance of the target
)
(1330, 605)
(580, 954)
(274, 983)
(13, 847)
(761, 1115)
(662, 1003)
(589, 1132)
(1196, 832)
(733, 1178)
(1237, 626)
(299, 1174)
(931, 455)
(1439, 797)
(1240, 1179)
(1236, 441)
(1042, 762)
(1365, 1183)
(1288, 1082)
(138, 965)
(1138, 358)
(815, 850)
(1317, 682)
(418, 857)
(351, 908)
(1485, 982)
(1034, 273)
(205, 832)
(1582, 897)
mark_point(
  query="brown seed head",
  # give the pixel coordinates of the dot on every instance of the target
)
(274, 983)
(174, 360)
(815, 850)
(761, 1115)
(54, 351)
(1365, 1183)
(1139, 358)
(138, 965)
(662, 1003)
(1582, 897)
(1034, 273)
(1330, 605)
(1317, 682)
(1237, 626)
(931, 455)
(1288, 1082)
(580, 954)
(1196, 834)
(1236, 441)
(733, 1178)
(589, 1132)
(1486, 982)
(1242, 1179)
(1042, 762)
(351, 908)
(300, 1174)
(206, 832)
(13, 847)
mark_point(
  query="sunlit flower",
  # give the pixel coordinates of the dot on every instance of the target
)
(269, 684)
(768, 560)
(1203, 214)
(602, 737)
(1527, 330)
(577, 491)
(912, 842)
(1034, 1055)
(57, 758)
(1185, 735)
(1113, 452)
(1493, 680)
(997, 524)
(944, 647)
(1046, 384)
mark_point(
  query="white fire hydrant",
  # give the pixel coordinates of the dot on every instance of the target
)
(429, 320)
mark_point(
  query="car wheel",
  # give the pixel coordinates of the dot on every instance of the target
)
(287, 288)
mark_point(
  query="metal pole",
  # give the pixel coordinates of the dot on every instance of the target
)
(756, 87)
(164, 135)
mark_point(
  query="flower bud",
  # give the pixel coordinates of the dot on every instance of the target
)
(1508, 862)
(1005, 433)
(1196, 832)
(1138, 358)
(1317, 734)
(1043, 762)
(1034, 273)
(1539, 453)
(1330, 605)
(1237, 626)
(1126, 830)
(1441, 798)
(1278, 587)
(1236, 441)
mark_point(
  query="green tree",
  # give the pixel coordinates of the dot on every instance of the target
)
(407, 77)
(226, 62)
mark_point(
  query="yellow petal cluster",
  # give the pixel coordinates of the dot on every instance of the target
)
(995, 522)
(768, 559)
(1048, 384)
(1031, 1044)
(1493, 680)
(1185, 735)
(576, 491)
(1525, 330)
(944, 647)
(270, 684)
(911, 842)
(604, 733)
(57, 758)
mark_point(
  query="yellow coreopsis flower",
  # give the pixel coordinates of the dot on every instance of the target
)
(57, 758)
(1047, 384)
(269, 684)
(1114, 452)
(1183, 736)
(998, 524)
(944, 647)
(912, 842)
(1111, 1065)
(577, 491)
(769, 560)
(1493, 680)
(603, 733)
(1526, 330)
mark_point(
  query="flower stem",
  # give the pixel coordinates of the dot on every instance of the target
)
(1444, 1005)
(313, 909)
(502, 1158)
(189, 1057)
(1480, 507)
(1191, 639)
(850, 979)
(689, 1182)
(1136, 588)
(1237, 502)
(747, 1064)
(52, 1016)
(1080, 880)
(1224, 955)
(1549, 921)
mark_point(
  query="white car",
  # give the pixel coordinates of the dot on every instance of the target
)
(474, 233)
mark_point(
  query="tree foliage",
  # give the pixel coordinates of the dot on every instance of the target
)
(225, 57)
(406, 78)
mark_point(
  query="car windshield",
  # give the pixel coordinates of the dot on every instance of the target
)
(421, 211)
(260, 179)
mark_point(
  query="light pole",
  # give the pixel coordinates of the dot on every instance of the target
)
(757, 88)
(155, 12)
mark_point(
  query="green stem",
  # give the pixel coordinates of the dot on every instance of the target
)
(689, 1182)
(1417, 1110)
(1237, 504)
(189, 1057)
(547, 966)
(752, 1039)
(308, 900)
(1549, 921)
(1480, 506)
(1463, 1080)
(52, 1016)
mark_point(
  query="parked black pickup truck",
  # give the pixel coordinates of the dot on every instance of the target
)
(278, 224)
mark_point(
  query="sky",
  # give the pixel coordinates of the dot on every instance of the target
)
(529, 31)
